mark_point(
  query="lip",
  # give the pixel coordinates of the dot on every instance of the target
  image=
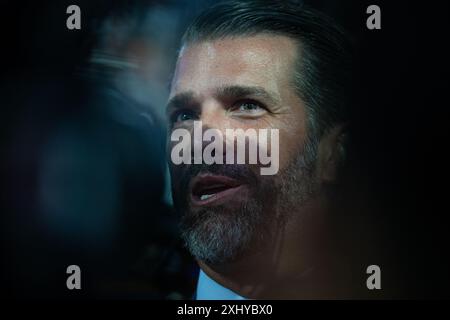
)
(221, 189)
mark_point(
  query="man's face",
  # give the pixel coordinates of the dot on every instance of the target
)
(241, 83)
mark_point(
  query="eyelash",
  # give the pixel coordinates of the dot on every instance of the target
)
(174, 116)
(235, 106)
(248, 101)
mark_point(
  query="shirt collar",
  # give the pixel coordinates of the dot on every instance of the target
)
(208, 289)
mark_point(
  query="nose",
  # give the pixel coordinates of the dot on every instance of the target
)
(212, 117)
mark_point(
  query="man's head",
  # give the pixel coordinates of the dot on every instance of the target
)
(258, 65)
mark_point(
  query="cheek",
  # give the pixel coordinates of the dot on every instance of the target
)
(292, 141)
(291, 135)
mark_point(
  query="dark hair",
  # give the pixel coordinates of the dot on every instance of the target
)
(322, 74)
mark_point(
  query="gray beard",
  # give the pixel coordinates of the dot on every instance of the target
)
(217, 236)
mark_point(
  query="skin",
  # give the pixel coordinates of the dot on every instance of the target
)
(263, 62)
(293, 263)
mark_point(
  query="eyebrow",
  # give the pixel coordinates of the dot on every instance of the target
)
(180, 100)
(234, 92)
(246, 91)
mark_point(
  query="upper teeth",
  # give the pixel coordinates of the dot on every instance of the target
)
(205, 196)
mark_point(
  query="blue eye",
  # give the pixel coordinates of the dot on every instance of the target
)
(183, 115)
(249, 106)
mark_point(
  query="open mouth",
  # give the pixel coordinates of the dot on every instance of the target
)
(214, 189)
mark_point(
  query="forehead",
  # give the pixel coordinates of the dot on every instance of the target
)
(264, 60)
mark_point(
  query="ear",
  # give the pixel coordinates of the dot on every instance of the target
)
(331, 153)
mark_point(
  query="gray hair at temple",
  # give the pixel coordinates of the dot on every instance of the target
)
(323, 72)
